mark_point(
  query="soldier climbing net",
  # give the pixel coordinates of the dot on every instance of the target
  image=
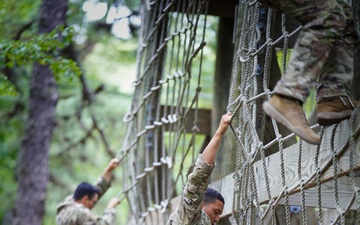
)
(160, 145)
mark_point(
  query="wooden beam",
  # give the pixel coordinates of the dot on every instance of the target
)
(222, 8)
(203, 120)
(327, 195)
(222, 80)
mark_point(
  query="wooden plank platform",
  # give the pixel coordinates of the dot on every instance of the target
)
(226, 184)
(345, 191)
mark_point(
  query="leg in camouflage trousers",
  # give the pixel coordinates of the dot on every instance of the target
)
(333, 87)
(327, 29)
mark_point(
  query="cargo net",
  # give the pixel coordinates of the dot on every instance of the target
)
(160, 143)
(280, 179)
(277, 175)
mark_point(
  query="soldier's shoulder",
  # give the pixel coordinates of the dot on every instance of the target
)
(74, 211)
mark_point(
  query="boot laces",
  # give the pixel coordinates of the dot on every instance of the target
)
(349, 99)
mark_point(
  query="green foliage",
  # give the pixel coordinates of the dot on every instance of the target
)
(106, 58)
(105, 61)
(64, 68)
(6, 87)
(14, 14)
(43, 49)
(118, 65)
(9, 146)
(132, 4)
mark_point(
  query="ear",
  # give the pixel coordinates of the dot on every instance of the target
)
(84, 199)
(202, 205)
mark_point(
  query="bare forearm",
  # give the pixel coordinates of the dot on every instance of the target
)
(108, 170)
(212, 148)
(107, 176)
(209, 154)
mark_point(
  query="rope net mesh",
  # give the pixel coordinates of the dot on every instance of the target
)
(160, 145)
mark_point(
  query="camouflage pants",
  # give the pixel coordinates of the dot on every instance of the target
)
(323, 52)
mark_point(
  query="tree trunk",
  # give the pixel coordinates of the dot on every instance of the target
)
(32, 169)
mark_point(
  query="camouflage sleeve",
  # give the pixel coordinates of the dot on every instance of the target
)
(74, 213)
(107, 218)
(102, 185)
(195, 188)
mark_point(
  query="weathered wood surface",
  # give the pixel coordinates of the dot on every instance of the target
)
(308, 168)
(345, 191)
(308, 164)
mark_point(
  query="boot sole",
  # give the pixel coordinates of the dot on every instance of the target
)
(271, 111)
(330, 118)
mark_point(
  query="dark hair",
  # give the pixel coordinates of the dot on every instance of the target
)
(211, 195)
(85, 189)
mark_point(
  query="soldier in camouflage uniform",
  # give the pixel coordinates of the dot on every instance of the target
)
(199, 204)
(76, 209)
(323, 53)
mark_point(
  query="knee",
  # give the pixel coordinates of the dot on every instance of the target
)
(327, 17)
(332, 22)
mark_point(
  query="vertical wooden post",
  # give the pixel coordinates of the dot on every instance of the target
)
(222, 79)
(356, 77)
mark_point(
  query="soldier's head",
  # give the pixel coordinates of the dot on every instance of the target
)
(213, 205)
(86, 194)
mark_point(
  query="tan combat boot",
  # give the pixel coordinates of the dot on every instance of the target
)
(334, 110)
(289, 112)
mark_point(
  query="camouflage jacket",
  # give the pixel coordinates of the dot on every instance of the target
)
(189, 210)
(70, 212)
